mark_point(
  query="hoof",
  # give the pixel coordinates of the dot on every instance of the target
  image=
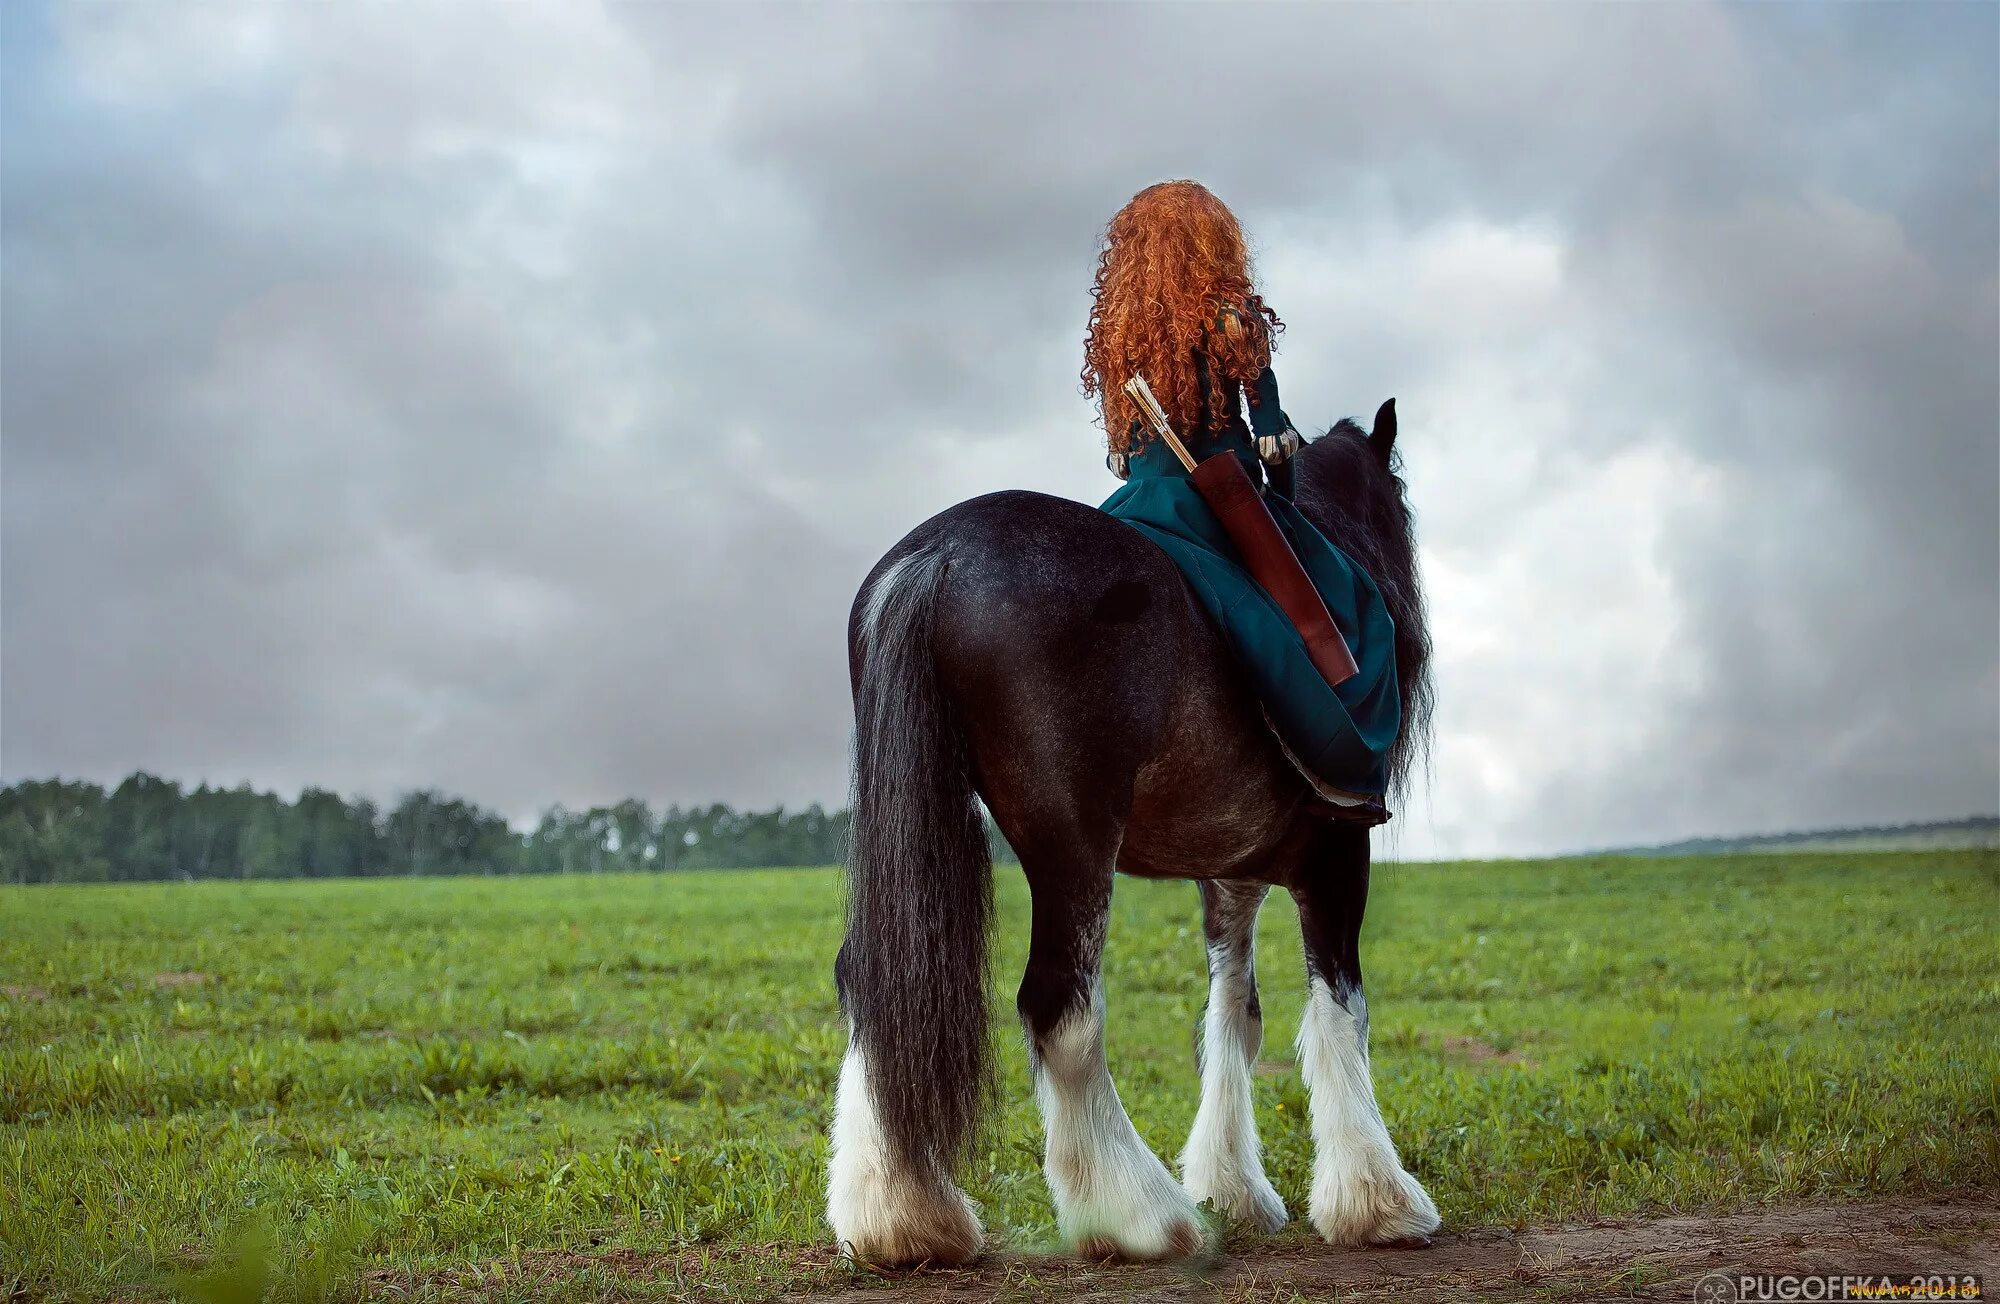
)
(888, 1214)
(1375, 1204)
(1179, 1239)
(891, 1228)
(1116, 1200)
(1149, 1220)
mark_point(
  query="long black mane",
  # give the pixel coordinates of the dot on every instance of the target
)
(1350, 484)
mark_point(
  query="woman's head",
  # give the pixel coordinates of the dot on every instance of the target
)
(1173, 259)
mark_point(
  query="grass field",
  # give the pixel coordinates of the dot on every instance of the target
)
(425, 1084)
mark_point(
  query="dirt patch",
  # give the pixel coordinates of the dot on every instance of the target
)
(25, 995)
(175, 981)
(1475, 1051)
(1659, 1260)
(686, 1274)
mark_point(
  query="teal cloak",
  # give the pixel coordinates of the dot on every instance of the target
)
(1342, 734)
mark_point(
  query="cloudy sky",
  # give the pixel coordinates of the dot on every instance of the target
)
(510, 398)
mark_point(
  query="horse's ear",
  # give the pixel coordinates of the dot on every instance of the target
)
(1383, 437)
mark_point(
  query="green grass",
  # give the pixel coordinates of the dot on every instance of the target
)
(447, 1083)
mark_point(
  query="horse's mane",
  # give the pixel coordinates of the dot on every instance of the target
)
(1343, 487)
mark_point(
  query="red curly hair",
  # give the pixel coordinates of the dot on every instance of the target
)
(1174, 259)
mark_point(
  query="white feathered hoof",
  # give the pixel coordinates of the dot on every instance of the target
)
(1139, 1216)
(886, 1224)
(1176, 1238)
(885, 1213)
(1373, 1203)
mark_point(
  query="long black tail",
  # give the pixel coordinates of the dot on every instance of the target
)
(912, 971)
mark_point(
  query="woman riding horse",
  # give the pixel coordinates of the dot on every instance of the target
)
(1099, 687)
(1174, 300)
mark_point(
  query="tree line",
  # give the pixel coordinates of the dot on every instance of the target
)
(149, 828)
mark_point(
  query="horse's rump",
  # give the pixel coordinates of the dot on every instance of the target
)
(1092, 688)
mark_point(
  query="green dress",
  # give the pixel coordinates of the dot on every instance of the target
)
(1341, 734)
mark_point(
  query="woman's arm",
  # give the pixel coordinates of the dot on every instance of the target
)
(1277, 439)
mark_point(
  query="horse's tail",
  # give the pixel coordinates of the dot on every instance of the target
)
(912, 972)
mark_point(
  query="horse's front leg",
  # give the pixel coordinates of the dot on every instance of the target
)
(1360, 1193)
(1113, 1196)
(1222, 1164)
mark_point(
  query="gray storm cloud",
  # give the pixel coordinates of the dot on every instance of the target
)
(424, 399)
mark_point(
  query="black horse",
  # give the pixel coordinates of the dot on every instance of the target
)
(1038, 654)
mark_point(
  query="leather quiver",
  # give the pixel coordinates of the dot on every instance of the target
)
(1227, 489)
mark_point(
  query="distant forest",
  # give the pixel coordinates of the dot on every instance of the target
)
(1977, 833)
(58, 831)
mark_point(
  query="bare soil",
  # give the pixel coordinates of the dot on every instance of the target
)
(1660, 1259)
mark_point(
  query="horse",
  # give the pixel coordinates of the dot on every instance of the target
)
(1034, 653)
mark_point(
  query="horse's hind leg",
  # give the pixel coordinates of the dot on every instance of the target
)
(1113, 1196)
(1360, 1193)
(1221, 1163)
